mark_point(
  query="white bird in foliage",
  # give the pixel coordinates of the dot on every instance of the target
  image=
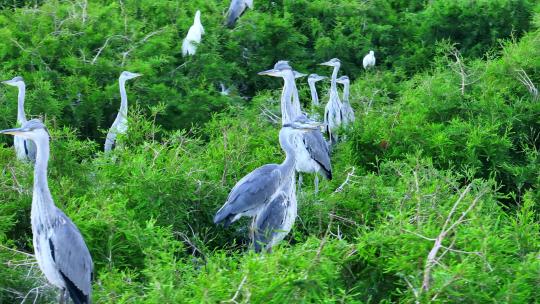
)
(24, 149)
(346, 109)
(193, 37)
(236, 10)
(369, 60)
(120, 124)
(60, 250)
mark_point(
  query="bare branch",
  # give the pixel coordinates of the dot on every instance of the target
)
(523, 77)
(233, 299)
(346, 182)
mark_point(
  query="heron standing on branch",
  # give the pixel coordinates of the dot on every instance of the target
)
(120, 124)
(236, 10)
(193, 37)
(332, 112)
(59, 247)
(24, 149)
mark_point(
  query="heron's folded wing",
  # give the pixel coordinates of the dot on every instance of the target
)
(252, 191)
(269, 221)
(71, 254)
(318, 150)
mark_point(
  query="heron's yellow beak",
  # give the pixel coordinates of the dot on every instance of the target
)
(272, 72)
(16, 131)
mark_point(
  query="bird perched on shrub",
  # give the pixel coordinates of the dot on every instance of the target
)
(24, 149)
(59, 247)
(193, 37)
(369, 60)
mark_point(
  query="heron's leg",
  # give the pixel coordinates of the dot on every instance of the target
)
(316, 183)
(62, 298)
(252, 232)
(300, 180)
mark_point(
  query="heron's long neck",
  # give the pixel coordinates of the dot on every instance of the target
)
(286, 96)
(346, 92)
(294, 99)
(42, 202)
(123, 98)
(21, 117)
(333, 87)
(314, 95)
(288, 164)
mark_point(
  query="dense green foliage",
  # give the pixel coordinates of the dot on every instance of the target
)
(445, 146)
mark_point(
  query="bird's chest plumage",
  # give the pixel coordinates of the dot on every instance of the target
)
(43, 228)
(43, 252)
(304, 162)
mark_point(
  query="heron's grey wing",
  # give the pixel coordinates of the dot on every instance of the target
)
(236, 10)
(269, 222)
(72, 258)
(318, 150)
(250, 193)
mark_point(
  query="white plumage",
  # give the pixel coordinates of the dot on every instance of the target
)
(193, 37)
(369, 60)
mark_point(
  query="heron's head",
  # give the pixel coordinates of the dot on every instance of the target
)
(303, 124)
(314, 78)
(371, 53)
(197, 17)
(32, 129)
(16, 81)
(128, 75)
(280, 69)
(343, 80)
(334, 62)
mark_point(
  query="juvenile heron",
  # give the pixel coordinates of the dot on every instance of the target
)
(312, 79)
(193, 37)
(312, 152)
(347, 110)
(258, 188)
(369, 60)
(236, 10)
(277, 217)
(120, 124)
(332, 112)
(59, 247)
(24, 149)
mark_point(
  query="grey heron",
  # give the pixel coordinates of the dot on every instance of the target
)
(59, 247)
(312, 152)
(193, 37)
(24, 149)
(276, 218)
(312, 79)
(236, 9)
(332, 111)
(120, 124)
(347, 110)
(369, 60)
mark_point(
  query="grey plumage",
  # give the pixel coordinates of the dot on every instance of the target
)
(311, 153)
(332, 112)
(346, 109)
(120, 124)
(24, 149)
(59, 247)
(250, 193)
(236, 10)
